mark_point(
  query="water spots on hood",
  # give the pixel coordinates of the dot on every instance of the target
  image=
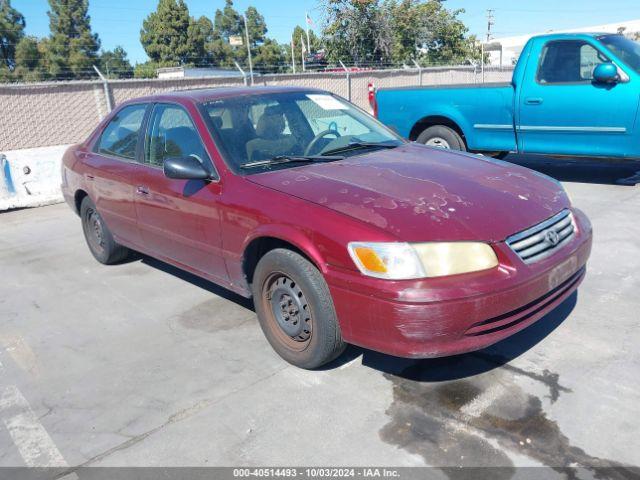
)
(361, 212)
(381, 202)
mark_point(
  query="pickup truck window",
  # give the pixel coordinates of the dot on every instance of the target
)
(627, 50)
(172, 134)
(568, 61)
(120, 136)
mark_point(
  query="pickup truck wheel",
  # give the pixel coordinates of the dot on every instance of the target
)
(99, 239)
(442, 137)
(295, 309)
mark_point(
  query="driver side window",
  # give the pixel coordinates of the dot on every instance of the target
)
(172, 134)
(568, 61)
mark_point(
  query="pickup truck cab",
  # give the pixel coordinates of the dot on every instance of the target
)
(571, 94)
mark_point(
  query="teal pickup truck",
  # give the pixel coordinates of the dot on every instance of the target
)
(571, 94)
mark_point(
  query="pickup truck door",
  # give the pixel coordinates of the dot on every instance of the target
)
(563, 111)
(179, 220)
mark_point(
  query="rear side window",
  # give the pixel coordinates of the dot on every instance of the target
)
(120, 137)
(172, 134)
(568, 61)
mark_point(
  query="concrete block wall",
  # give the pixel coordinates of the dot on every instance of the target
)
(30, 177)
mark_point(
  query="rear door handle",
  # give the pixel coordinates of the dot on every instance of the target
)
(140, 190)
(533, 101)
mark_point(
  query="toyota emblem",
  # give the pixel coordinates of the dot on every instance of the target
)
(552, 237)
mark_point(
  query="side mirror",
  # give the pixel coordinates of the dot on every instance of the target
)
(606, 73)
(185, 168)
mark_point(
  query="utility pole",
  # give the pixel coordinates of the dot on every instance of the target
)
(293, 57)
(490, 22)
(246, 31)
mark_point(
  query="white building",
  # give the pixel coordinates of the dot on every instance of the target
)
(509, 48)
(193, 72)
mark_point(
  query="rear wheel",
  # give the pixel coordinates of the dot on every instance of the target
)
(441, 136)
(295, 309)
(99, 239)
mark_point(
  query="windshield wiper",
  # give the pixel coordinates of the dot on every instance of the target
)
(359, 146)
(279, 159)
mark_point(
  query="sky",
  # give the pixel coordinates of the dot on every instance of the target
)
(118, 22)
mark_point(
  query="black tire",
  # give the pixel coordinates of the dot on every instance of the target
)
(284, 280)
(443, 137)
(500, 155)
(99, 239)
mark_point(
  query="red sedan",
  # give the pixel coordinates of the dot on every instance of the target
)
(341, 231)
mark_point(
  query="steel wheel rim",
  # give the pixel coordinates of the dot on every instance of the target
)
(438, 142)
(95, 230)
(287, 310)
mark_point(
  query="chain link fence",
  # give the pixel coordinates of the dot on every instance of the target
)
(57, 113)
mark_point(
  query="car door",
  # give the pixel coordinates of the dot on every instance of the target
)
(179, 220)
(563, 111)
(110, 172)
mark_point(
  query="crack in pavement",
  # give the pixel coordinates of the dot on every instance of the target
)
(174, 418)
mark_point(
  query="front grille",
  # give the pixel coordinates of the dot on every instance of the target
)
(544, 239)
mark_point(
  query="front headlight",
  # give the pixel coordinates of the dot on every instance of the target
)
(405, 261)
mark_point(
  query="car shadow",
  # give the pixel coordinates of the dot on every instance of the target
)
(194, 280)
(583, 170)
(423, 370)
(466, 365)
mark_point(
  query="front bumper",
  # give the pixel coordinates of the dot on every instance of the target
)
(451, 315)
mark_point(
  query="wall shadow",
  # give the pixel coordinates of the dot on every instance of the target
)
(583, 170)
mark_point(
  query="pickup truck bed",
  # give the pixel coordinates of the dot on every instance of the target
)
(463, 107)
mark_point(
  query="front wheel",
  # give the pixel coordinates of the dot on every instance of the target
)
(441, 136)
(295, 309)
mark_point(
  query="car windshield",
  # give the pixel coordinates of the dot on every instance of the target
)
(627, 50)
(254, 129)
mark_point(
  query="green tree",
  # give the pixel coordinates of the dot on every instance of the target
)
(30, 60)
(165, 33)
(442, 36)
(228, 22)
(357, 31)
(256, 25)
(298, 36)
(396, 31)
(270, 57)
(115, 64)
(149, 69)
(72, 48)
(12, 25)
(200, 36)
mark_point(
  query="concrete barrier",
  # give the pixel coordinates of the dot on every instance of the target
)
(30, 177)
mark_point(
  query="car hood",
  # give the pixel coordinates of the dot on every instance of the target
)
(419, 193)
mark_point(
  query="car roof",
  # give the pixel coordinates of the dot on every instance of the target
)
(202, 95)
(570, 35)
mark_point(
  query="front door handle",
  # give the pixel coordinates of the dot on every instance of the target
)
(533, 101)
(140, 190)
